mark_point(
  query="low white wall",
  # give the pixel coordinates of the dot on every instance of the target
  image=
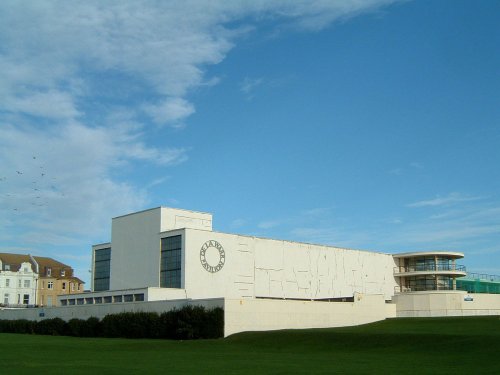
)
(269, 314)
(101, 310)
(239, 314)
(450, 303)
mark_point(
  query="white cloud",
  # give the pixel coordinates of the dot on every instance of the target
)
(268, 224)
(249, 85)
(65, 186)
(171, 111)
(450, 199)
(76, 81)
(50, 48)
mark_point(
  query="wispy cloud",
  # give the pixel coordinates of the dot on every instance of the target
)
(81, 83)
(450, 199)
(60, 181)
(249, 85)
(268, 224)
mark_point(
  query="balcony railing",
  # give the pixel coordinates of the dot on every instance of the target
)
(421, 288)
(482, 277)
(430, 267)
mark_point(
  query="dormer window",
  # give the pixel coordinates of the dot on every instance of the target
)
(63, 273)
(49, 271)
(7, 267)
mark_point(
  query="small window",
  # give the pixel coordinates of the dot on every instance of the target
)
(7, 282)
(118, 298)
(139, 297)
(26, 283)
(26, 299)
(72, 286)
(63, 272)
(25, 269)
(128, 298)
(64, 302)
(6, 298)
(79, 301)
(49, 271)
(63, 286)
(89, 301)
(19, 283)
(7, 267)
(98, 300)
(50, 285)
(107, 299)
(71, 302)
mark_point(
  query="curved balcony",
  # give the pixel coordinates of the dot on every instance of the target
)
(427, 270)
(455, 270)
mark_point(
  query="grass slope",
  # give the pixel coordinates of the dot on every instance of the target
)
(405, 346)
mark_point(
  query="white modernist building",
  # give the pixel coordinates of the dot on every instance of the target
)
(164, 258)
(178, 250)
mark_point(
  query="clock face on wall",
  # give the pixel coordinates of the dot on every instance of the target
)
(212, 256)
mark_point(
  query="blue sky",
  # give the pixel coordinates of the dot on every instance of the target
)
(363, 124)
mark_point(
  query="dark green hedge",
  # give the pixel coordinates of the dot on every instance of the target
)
(190, 322)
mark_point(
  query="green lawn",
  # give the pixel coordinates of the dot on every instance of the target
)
(408, 346)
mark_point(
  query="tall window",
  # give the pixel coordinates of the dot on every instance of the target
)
(102, 269)
(170, 263)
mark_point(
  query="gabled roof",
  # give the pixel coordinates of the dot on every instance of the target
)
(49, 262)
(15, 260)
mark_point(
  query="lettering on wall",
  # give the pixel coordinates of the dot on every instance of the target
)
(212, 256)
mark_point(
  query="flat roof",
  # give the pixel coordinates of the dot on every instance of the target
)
(160, 207)
(414, 254)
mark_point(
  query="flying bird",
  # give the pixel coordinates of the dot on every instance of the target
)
(19, 172)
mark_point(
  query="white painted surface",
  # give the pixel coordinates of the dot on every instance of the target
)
(13, 287)
(239, 314)
(135, 250)
(265, 315)
(449, 303)
(174, 218)
(135, 244)
(259, 267)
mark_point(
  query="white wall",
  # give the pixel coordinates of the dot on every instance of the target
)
(173, 218)
(254, 267)
(257, 267)
(16, 289)
(135, 250)
(264, 314)
(135, 243)
(449, 303)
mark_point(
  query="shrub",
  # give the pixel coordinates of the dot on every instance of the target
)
(131, 325)
(190, 322)
(17, 326)
(54, 327)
